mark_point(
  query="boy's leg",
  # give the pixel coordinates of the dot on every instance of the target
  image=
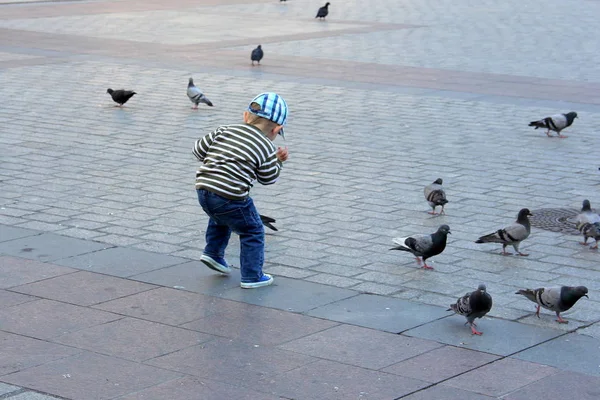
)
(252, 245)
(217, 237)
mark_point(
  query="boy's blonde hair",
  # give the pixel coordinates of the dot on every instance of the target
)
(255, 120)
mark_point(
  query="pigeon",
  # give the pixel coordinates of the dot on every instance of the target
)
(435, 196)
(323, 11)
(267, 221)
(473, 305)
(120, 96)
(513, 234)
(555, 123)
(557, 299)
(196, 95)
(424, 246)
(588, 223)
(257, 54)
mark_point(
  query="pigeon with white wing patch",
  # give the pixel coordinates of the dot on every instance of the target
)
(473, 305)
(588, 223)
(557, 299)
(424, 246)
(555, 123)
(196, 96)
(512, 235)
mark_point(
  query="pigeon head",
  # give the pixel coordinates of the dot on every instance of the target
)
(571, 116)
(579, 291)
(259, 47)
(326, 4)
(444, 229)
(191, 82)
(586, 206)
(481, 288)
(439, 181)
(109, 91)
(523, 214)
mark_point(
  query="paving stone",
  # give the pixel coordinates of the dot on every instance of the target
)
(5, 389)
(9, 299)
(21, 352)
(325, 380)
(572, 352)
(379, 312)
(17, 271)
(440, 364)
(11, 232)
(307, 295)
(33, 396)
(79, 375)
(447, 393)
(560, 385)
(48, 247)
(452, 331)
(501, 377)
(120, 261)
(223, 358)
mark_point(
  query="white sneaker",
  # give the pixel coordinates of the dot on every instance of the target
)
(214, 265)
(265, 280)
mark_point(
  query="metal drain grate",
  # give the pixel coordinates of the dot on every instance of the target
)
(555, 220)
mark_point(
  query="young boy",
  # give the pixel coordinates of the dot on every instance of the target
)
(233, 158)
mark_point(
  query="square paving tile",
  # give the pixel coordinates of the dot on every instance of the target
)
(563, 385)
(259, 325)
(442, 392)
(90, 376)
(15, 271)
(8, 299)
(169, 306)
(501, 377)
(378, 312)
(192, 276)
(120, 261)
(49, 247)
(573, 352)
(328, 380)
(452, 331)
(11, 232)
(221, 359)
(5, 389)
(440, 364)
(198, 388)
(44, 319)
(133, 339)
(359, 346)
(20, 352)
(83, 288)
(306, 295)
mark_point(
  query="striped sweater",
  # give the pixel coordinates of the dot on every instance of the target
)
(233, 158)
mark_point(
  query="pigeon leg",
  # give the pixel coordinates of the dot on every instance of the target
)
(548, 133)
(442, 212)
(537, 312)
(594, 247)
(560, 320)
(425, 266)
(516, 247)
(562, 136)
(523, 254)
(475, 331)
(504, 252)
(195, 107)
(432, 212)
(584, 243)
(418, 261)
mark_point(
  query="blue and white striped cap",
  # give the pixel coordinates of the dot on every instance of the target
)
(272, 107)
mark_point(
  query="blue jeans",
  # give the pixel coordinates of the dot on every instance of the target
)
(241, 217)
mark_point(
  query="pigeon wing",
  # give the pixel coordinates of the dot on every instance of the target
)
(549, 298)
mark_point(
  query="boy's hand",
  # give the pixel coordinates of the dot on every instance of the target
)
(282, 154)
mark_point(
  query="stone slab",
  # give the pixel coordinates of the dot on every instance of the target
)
(362, 347)
(307, 295)
(440, 392)
(379, 312)
(120, 261)
(572, 352)
(5, 389)
(192, 276)
(16, 271)
(9, 299)
(12, 232)
(83, 288)
(564, 384)
(452, 331)
(49, 247)
(87, 374)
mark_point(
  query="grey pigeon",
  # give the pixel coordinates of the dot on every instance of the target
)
(257, 54)
(196, 96)
(473, 305)
(120, 96)
(588, 223)
(268, 221)
(513, 234)
(555, 123)
(424, 246)
(557, 299)
(323, 11)
(435, 196)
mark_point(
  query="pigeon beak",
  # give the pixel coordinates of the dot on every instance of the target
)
(586, 296)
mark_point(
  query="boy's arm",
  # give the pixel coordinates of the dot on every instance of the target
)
(201, 146)
(268, 173)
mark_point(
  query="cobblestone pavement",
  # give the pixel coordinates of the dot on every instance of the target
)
(385, 97)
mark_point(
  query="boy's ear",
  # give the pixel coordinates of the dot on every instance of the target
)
(277, 129)
(246, 116)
